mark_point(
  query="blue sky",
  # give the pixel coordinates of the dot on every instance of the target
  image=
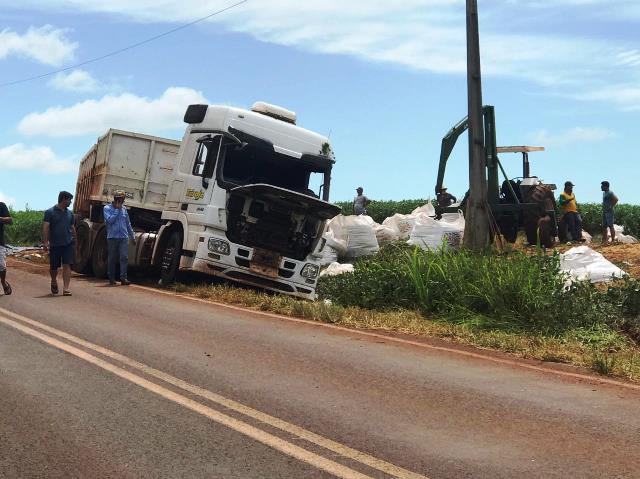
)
(385, 79)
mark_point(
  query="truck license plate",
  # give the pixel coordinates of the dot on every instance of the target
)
(265, 263)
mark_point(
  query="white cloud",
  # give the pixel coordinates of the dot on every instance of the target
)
(8, 200)
(45, 44)
(75, 81)
(428, 35)
(572, 136)
(125, 111)
(39, 159)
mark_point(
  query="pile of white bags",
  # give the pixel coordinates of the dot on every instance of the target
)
(582, 263)
(429, 233)
(358, 234)
(623, 238)
(403, 224)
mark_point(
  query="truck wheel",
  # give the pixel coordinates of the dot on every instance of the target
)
(82, 262)
(99, 257)
(170, 260)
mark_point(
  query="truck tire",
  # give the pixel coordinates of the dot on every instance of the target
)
(170, 260)
(99, 256)
(82, 262)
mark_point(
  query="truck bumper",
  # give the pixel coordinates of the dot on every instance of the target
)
(236, 266)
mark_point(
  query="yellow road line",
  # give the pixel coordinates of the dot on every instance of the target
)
(309, 436)
(243, 428)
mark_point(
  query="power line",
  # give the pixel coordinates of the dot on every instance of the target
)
(121, 50)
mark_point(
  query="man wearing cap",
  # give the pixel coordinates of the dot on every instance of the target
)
(609, 201)
(360, 202)
(444, 198)
(119, 233)
(569, 216)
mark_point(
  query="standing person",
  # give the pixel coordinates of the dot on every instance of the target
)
(119, 233)
(444, 198)
(59, 237)
(5, 219)
(569, 215)
(360, 202)
(609, 202)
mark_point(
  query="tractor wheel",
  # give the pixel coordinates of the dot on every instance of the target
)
(539, 230)
(545, 230)
(508, 225)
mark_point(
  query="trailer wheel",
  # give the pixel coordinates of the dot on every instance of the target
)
(99, 257)
(170, 260)
(82, 262)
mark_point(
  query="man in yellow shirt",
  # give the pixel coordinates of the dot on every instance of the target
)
(569, 216)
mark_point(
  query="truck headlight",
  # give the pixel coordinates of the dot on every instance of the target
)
(310, 271)
(219, 246)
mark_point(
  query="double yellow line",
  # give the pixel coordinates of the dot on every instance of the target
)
(70, 345)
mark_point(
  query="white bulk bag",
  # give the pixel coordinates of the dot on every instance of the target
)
(385, 234)
(357, 231)
(334, 242)
(426, 209)
(429, 233)
(402, 224)
(623, 238)
(582, 263)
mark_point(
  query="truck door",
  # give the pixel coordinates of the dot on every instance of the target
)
(199, 185)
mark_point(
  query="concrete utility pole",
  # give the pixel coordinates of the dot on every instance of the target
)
(476, 231)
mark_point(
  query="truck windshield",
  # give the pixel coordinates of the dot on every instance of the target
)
(251, 165)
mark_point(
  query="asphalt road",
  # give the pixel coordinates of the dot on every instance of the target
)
(126, 382)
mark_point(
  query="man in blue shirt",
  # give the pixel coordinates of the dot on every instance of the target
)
(58, 236)
(609, 201)
(119, 233)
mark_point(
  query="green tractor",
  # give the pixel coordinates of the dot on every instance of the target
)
(516, 203)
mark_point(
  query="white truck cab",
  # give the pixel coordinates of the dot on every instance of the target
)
(245, 198)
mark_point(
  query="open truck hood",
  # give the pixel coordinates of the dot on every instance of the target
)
(292, 199)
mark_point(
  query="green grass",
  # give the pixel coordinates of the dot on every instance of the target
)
(509, 295)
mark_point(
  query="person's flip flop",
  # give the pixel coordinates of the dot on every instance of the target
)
(7, 289)
(54, 288)
(66, 293)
